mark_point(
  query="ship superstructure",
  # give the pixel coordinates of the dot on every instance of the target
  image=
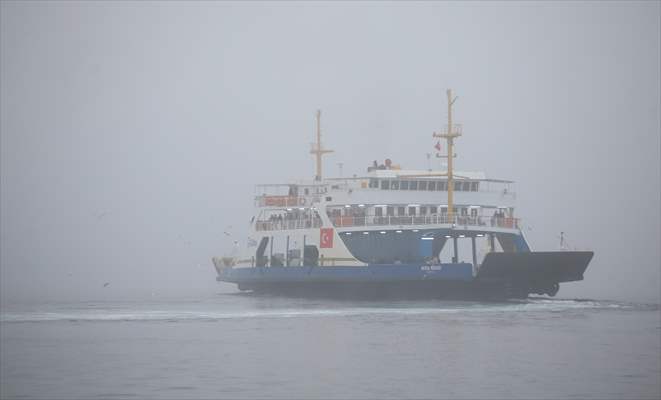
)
(393, 231)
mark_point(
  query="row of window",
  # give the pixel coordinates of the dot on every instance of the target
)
(422, 210)
(395, 184)
(390, 211)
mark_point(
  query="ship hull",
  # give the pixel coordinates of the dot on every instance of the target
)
(501, 276)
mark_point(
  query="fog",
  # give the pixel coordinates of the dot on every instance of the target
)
(132, 134)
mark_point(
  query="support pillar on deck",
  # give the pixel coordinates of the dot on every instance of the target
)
(455, 259)
(303, 253)
(271, 253)
(474, 255)
(492, 242)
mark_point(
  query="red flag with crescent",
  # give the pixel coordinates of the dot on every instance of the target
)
(438, 146)
(326, 238)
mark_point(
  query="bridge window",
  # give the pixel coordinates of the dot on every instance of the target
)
(413, 185)
(444, 210)
(394, 185)
(423, 210)
(374, 183)
(378, 212)
(474, 186)
(442, 185)
(457, 186)
(390, 211)
(385, 184)
(422, 185)
(411, 210)
(467, 186)
(401, 210)
(431, 185)
(404, 185)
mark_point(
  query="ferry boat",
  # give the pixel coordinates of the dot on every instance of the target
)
(395, 232)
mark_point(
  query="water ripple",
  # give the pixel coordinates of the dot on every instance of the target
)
(94, 313)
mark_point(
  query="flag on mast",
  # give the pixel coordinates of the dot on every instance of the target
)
(438, 146)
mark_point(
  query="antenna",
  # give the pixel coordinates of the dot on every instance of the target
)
(317, 148)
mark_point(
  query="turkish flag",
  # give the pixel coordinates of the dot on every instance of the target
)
(438, 146)
(326, 238)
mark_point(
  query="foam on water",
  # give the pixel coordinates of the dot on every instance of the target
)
(209, 312)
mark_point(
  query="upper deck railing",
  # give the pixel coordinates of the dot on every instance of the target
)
(348, 222)
(277, 225)
(498, 222)
(280, 201)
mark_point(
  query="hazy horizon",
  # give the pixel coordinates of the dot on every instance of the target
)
(131, 134)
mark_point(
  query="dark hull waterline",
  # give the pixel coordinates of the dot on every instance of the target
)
(501, 276)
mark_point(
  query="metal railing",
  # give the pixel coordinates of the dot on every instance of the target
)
(499, 222)
(280, 201)
(288, 224)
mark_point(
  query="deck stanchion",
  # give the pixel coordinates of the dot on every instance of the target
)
(271, 252)
(474, 255)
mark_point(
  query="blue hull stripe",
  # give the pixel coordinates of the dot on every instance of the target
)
(376, 273)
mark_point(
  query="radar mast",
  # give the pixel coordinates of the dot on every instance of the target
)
(317, 148)
(450, 132)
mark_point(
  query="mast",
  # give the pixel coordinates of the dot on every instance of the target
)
(450, 133)
(317, 148)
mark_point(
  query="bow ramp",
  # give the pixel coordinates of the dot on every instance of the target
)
(538, 272)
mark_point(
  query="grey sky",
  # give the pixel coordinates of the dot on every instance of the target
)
(132, 133)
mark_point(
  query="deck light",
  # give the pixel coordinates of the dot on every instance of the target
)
(361, 205)
(348, 233)
(415, 230)
(289, 209)
(383, 232)
(448, 236)
(347, 205)
(398, 231)
(427, 238)
(462, 235)
(301, 208)
(480, 235)
(366, 233)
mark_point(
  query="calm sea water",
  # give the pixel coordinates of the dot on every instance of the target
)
(239, 346)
